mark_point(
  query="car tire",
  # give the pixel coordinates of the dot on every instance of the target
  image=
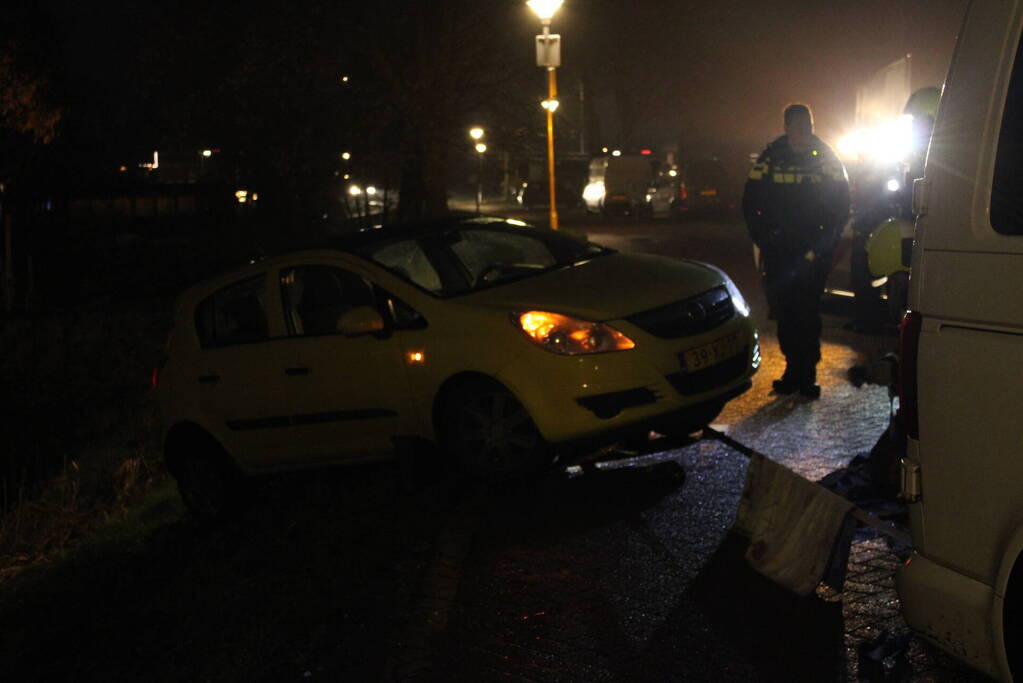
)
(210, 484)
(491, 434)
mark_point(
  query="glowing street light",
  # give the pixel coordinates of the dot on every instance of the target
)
(548, 56)
(544, 9)
(476, 133)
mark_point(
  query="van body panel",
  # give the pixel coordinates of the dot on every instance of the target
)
(953, 611)
(967, 285)
(970, 469)
(958, 288)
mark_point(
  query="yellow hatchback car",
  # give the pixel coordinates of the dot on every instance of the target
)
(500, 342)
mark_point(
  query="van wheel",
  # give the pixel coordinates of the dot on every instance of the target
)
(210, 485)
(491, 434)
(1012, 620)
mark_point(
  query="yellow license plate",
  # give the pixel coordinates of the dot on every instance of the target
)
(712, 353)
(708, 193)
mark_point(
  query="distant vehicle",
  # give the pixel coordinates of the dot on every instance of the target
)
(668, 198)
(709, 188)
(503, 343)
(535, 193)
(618, 184)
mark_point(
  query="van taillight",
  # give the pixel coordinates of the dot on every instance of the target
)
(683, 193)
(154, 379)
(909, 348)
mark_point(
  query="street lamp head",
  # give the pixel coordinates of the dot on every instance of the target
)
(550, 105)
(544, 9)
(476, 133)
(480, 147)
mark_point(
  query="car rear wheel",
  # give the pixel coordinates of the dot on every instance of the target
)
(210, 485)
(491, 434)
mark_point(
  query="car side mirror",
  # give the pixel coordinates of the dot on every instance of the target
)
(360, 320)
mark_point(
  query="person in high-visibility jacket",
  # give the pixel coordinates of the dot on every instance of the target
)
(796, 202)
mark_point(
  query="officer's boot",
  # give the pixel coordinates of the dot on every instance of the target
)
(808, 386)
(789, 382)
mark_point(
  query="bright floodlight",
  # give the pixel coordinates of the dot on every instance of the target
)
(476, 133)
(544, 9)
(480, 147)
(551, 105)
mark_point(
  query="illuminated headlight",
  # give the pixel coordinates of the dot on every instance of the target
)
(893, 185)
(738, 300)
(594, 192)
(570, 336)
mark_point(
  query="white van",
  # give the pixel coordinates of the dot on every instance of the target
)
(962, 357)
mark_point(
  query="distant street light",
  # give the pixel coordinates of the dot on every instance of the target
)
(548, 56)
(476, 133)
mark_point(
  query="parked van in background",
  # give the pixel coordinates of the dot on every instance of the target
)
(962, 357)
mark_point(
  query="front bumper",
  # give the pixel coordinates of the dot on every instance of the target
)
(572, 398)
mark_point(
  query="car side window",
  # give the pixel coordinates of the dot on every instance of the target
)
(1007, 190)
(315, 298)
(233, 315)
(408, 260)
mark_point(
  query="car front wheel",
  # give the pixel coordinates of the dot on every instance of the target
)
(491, 434)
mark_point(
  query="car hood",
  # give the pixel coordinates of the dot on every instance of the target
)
(604, 288)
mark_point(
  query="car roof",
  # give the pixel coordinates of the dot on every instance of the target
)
(354, 241)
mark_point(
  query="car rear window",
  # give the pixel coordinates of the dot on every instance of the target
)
(233, 315)
(1007, 190)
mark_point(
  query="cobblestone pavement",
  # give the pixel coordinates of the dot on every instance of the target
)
(630, 574)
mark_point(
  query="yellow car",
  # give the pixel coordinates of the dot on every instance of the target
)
(501, 342)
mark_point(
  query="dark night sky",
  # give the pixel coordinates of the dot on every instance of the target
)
(714, 72)
(724, 71)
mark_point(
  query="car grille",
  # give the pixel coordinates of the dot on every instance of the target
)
(694, 315)
(688, 383)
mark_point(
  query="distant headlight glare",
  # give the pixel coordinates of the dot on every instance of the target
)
(570, 336)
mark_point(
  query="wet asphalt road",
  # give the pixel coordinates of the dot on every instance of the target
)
(628, 573)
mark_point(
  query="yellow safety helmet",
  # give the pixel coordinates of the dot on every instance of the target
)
(884, 247)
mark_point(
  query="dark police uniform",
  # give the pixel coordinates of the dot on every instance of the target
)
(796, 205)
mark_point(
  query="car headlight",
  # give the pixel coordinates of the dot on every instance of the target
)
(738, 300)
(570, 336)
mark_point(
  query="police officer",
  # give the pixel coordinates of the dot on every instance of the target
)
(796, 202)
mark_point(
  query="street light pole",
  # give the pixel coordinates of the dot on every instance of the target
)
(480, 149)
(477, 133)
(552, 97)
(549, 57)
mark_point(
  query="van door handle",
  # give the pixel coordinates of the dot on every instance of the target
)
(209, 379)
(297, 372)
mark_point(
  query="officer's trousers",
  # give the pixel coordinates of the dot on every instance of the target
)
(794, 290)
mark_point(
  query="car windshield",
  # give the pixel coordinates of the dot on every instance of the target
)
(470, 257)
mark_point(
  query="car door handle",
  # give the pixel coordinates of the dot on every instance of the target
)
(209, 379)
(297, 372)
